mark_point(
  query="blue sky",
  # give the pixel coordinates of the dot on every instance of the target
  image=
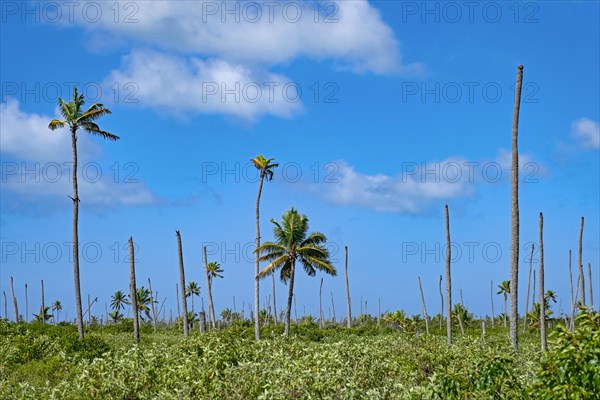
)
(378, 112)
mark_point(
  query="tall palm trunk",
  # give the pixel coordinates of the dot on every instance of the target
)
(182, 284)
(257, 263)
(514, 259)
(542, 300)
(441, 302)
(178, 307)
(78, 306)
(288, 311)
(12, 290)
(448, 281)
(333, 308)
(133, 293)
(349, 321)
(492, 299)
(590, 286)
(528, 286)
(573, 299)
(5, 306)
(424, 307)
(26, 304)
(505, 299)
(211, 306)
(43, 313)
(581, 277)
(274, 302)
(321, 304)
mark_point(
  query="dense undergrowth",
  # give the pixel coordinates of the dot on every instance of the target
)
(50, 362)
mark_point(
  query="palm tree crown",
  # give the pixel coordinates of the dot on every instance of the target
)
(265, 166)
(118, 300)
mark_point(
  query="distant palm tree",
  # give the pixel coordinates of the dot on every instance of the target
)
(213, 270)
(144, 301)
(265, 167)
(43, 316)
(504, 289)
(115, 316)
(192, 290)
(76, 118)
(57, 306)
(292, 244)
(118, 301)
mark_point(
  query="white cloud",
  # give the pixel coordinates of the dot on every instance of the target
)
(182, 85)
(586, 132)
(37, 163)
(352, 33)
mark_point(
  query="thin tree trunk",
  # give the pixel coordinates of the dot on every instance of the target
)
(590, 287)
(43, 314)
(234, 310)
(321, 304)
(257, 263)
(460, 324)
(178, 309)
(288, 311)
(154, 316)
(580, 263)
(542, 302)
(361, 306)
(533, 296)
(12, 289)
(492, 298)
(133, 293)
(333, 308)
(573, 307)
(274, 302)
(182, 284)
(211, 305)
(89, 313)
(26, 304)
(441, 302)
(514, 259)
(379, 312)
(424, 307)
(295, 310)
(571, 285)
(448, 281)
(5, 306)
(483, 333)
(349, 320)
(505, 298)
(202, 321)
(78, 306)
(528, 286)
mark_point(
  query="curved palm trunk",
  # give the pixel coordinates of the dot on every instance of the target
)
(211, 306)
(78, 306)
(581, 277)
(16, 306)
(424, 307)
(542, 300)
(448, 282)
(182, 284)
(288, 311)
(349, 324)
(514, 259)
(257, 263)
(528, 285)
(133, 293)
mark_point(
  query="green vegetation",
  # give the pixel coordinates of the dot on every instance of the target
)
(42, 361)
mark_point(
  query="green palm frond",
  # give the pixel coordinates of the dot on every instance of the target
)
(276, 263)
(56, 123)
(94, 129)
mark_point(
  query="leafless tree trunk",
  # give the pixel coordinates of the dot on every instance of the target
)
(492, 298)
(182, 284)
(274, 301)
(533, 296)
(321, 304)
(542, 300)
(573, 307)
(133, 293)
(528, 286)
(379, 312)
(295, 310)
(202, 321)
(441, 302)
(573, 299)
(154, 316)
(349, 320)
(483, 333)
(424, 307)
(5, 306)
(12, 289)
(333, 308)
(26, 304)
(514, 259)
(590, 287)
(89, 311)
(43, 313)
(581, 277)
(178, 307)
(448, 281)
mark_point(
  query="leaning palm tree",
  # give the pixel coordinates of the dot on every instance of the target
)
(76, 118)
(192, 290)
(504, 289)
(265, 167)
(118, 300)
(292, 244)
(57, 306)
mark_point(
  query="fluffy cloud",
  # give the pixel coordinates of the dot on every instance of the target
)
(586, 132)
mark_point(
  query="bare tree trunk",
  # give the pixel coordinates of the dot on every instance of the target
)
(573, 299)
(202, 323)
(257, 263)
(333, 308)
(581, 279)
(528, 286)
(483, 333)
(460, 324)
(182, 284)
(288, 311)
(492, 298)
(361, 306)
(542, 300)
(43, 314)
(514, 259)
(178, 309)
(89, 312)
(26, 304)
(295, 310)
(441, 302)
(424, 307)
(379, 312)
(12, 289)
(321, 304)
(154, 316)
(5, 306)
(533, 296)
(590, 287)
(133, 293)
(448, 281)
(274, 301)
(573, 307)
(211, 305)
(349, 320)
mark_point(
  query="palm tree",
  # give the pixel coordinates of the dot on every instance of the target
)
(76, 118)
(182, 284)
(115, 316)
(44, 315)
(265, 167)
(448, 281)
(192, 290)
(144, 301)
(293, 243)
(57, 306)
(213, 270)
(514, 256)
(118, 300)
(504, 289)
